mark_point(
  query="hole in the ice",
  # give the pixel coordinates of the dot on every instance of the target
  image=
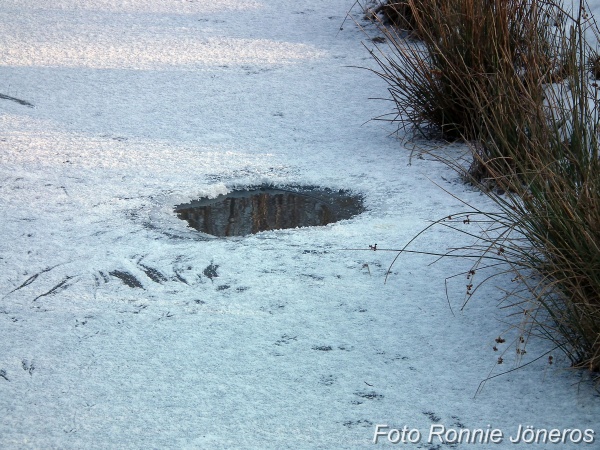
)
(244, 212)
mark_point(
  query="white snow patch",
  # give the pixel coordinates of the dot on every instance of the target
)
(133, 6)
(123, 328)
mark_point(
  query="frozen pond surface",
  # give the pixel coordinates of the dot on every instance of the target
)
(122, 327)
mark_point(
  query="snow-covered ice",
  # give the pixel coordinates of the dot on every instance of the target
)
(283, 339)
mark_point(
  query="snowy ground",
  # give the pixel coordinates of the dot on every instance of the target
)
(141, 105)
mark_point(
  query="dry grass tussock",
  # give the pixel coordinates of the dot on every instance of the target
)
(515, 79)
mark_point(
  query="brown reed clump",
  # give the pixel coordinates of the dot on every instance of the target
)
(512, 77)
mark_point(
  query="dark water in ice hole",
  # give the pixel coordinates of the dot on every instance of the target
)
(245, 212)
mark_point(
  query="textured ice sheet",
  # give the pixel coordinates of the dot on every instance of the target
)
(123, 328)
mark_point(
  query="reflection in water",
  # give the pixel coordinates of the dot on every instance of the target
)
(240, 213)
